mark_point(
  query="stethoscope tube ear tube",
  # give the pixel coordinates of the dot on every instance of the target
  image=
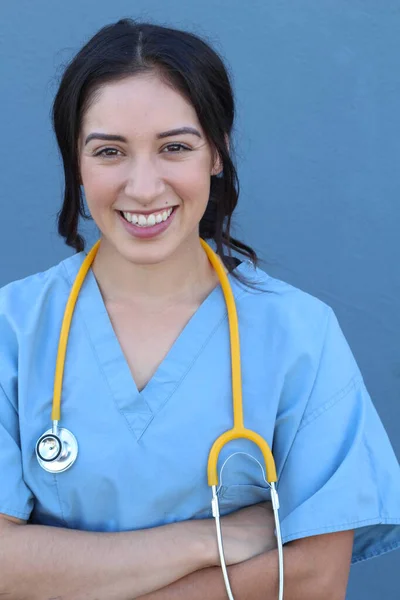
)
(216, 515)
(238, 430)
(275, 507)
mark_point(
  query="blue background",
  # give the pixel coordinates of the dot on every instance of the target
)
(317, 143)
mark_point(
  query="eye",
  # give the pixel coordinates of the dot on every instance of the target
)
(175, 146)
(107, 152)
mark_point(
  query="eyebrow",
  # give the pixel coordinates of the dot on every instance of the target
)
(120, 138)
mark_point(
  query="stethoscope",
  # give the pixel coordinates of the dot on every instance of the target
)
(57, 448)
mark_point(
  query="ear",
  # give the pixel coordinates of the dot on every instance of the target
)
(218, 166)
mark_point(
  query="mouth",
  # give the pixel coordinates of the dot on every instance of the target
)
(148, 220)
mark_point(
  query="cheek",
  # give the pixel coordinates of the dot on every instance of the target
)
(192, 185)
(100, 184)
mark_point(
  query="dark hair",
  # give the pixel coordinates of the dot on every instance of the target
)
(192, 67)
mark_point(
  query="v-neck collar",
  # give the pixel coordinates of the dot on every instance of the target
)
(140, 407)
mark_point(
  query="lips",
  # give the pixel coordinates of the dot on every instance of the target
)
(147, 229)
(148, 219)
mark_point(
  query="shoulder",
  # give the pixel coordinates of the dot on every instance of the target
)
(299, 334)
(29, 307)
(31, 310)
(20, 298)
(278, 304)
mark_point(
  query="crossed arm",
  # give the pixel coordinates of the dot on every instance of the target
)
(316, 568)
(165, 563)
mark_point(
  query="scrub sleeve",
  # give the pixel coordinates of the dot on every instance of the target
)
(341, 472)
(16, 499)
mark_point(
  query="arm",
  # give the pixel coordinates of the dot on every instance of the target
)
(47, 562)
(316, 568)
(39, 562)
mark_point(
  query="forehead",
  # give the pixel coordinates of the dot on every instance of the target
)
(138, 104)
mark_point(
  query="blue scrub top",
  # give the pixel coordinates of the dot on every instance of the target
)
(143, 455)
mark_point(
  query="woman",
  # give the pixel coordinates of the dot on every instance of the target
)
(143, 118)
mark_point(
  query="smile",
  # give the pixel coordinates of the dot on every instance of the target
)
(147, 220)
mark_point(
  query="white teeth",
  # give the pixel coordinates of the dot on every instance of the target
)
(147, 220)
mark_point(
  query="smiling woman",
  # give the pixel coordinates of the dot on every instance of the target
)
(159, 171)
(170, 112)
(144, 117)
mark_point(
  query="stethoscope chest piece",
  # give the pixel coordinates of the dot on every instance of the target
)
(57, 453)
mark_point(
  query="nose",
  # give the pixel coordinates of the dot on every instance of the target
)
(144, 183)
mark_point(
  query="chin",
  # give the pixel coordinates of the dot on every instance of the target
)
(148, 253)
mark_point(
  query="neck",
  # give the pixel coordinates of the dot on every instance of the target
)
(185, 276)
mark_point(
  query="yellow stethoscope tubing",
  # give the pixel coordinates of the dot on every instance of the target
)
(65, 327)
(238, 431)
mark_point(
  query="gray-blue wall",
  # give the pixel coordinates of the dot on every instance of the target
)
(318, 146)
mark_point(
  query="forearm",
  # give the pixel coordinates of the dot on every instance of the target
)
(38, 562)
(255, 579)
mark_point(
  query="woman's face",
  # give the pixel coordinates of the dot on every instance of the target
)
(146, 186)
